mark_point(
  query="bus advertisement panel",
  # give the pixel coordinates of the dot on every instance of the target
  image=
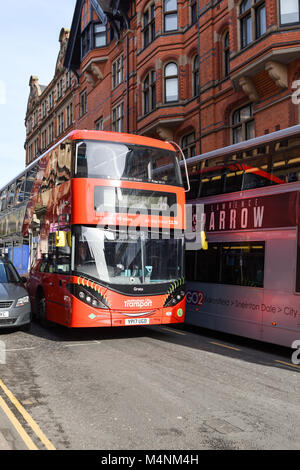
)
(246, 200)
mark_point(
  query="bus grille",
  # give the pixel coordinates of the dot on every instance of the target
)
(7, 304)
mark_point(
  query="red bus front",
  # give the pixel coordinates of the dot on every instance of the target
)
(117, 236)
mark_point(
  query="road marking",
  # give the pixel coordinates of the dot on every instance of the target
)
(225, 346)
(288, 364)
(174, 331)
(34, 426)
(73, 345)
(19, 349)
(18, 426)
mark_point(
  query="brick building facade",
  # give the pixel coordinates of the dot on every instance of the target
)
(204, 74)
(50, 109)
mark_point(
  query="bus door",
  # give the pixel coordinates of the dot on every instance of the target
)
(55, 280)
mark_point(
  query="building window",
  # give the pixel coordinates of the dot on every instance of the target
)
(69, 115)
(196, 76)
(83, 103)
(226, 55)
(252, 21)
(170, 15)
(85, 41)
(36, 147)
(118, 118)
(188, 145)
(59, 88)
(44, 139)
(289, 11)
(60, 123)
(68, 80)
(149, 91)
(99, 35)
(149, 25)
(44, 109)
(51, 99)
(171, 83)
(99, 124)
(243, 124)
(51, 133)
(117, 72)
(194, 15)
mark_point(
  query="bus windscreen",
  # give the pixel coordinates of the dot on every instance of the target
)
(126, 162)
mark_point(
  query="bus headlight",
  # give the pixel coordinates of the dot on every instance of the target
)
(175, 297)
(84, 294)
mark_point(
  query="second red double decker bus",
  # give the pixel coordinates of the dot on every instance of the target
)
(104, 220)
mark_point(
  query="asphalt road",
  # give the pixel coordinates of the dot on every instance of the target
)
(146, 388)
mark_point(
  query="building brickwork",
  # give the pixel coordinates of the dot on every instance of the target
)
(50, 109)
(204, 74)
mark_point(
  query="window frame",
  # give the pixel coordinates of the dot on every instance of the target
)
(83, 103)
(196, 76)
(117, 71)
(189, 149)
(226, 54)
(251, 13)
(242, 123)
(118, 118)
(99, 34)
(168, 78)
(168, 13)
(291, 23)
(149, 93)
(149, 28)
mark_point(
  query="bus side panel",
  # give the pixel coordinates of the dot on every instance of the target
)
(281, 306)
(230, 309)
(270, 314)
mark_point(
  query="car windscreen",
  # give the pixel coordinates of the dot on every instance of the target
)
(8, 274)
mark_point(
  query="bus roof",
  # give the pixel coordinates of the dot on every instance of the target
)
(118, 137)
(245, 145)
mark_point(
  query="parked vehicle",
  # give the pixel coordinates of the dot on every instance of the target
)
(15, 308)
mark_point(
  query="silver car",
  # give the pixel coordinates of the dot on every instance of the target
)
(15, 308)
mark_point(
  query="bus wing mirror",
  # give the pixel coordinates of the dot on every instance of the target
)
(204, 240)
(60, 239)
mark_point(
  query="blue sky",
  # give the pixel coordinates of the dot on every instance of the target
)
(29, 33)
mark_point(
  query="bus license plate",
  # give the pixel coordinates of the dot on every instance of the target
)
(137, 321)
(4, 314)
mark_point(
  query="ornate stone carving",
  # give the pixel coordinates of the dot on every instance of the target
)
(164, 133)
(278, 73)
(248, 87)
(35, 92)
(63, 39)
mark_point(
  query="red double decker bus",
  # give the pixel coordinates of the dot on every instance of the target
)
(103, 216)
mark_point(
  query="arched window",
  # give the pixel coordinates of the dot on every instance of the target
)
(226, 54)
(243, 127)
(149, 92)
(171, 82)
(196, 76)
(149, 25)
